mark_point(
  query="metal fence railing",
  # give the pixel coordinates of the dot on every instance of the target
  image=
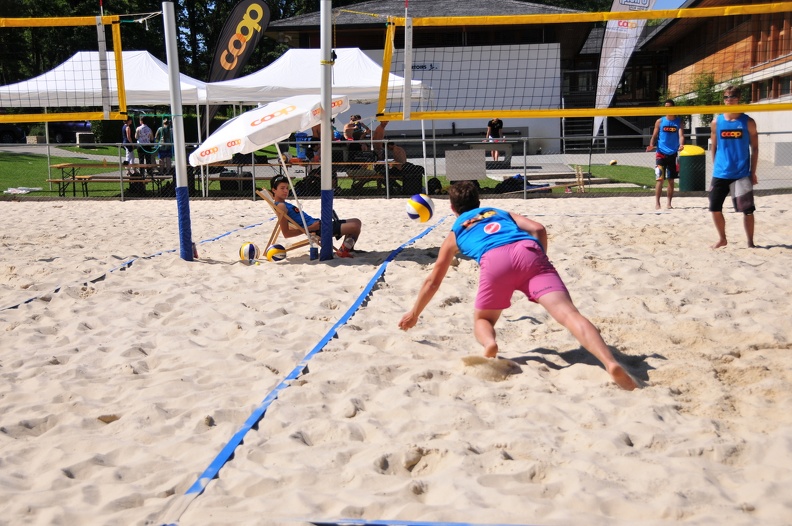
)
(521, 170)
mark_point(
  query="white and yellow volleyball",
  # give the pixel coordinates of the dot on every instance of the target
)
(420, 208)
(248, 252)
(276, 253)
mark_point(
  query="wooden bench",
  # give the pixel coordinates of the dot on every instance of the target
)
(69, 175)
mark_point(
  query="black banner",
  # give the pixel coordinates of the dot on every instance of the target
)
(242, 31)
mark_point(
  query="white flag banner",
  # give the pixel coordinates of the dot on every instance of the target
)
(621, 37)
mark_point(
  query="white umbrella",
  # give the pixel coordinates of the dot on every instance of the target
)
(263, 126)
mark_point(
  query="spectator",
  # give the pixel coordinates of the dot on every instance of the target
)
(164, 138)
(129, 143)
(378, 138)
(494, 128)
(145, 139)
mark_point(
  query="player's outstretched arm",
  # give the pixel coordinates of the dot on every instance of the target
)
(432, 282)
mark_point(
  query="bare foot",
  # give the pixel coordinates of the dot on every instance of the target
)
(721, 243)
(657, 206)
(622, 378)
(491, 351)
(670, 207)
(751, 245)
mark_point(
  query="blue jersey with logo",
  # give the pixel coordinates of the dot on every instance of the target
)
(733, 154)
(479, 230)
(668, 139)
(294, 214)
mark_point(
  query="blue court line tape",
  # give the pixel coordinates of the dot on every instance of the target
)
(227, 452)
(126, 264)
(363, 522)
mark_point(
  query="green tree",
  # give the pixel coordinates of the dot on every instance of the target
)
(705, 94)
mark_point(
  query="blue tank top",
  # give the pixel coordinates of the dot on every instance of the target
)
(668, 140)
(294, 214)
(733, 153)
(480, 230)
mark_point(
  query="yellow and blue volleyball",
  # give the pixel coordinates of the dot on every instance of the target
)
(248, 252)
(420, 208)
(276, 253)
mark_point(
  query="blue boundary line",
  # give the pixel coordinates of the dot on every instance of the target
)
(128, 263)
(227, 452)
(363, 522)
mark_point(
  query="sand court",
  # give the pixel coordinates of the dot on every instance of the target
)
(120, 387)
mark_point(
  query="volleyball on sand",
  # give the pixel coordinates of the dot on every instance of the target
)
(276, 253)
(420, 208)
(248, 252)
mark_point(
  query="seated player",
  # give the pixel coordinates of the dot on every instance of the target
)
(348, 228)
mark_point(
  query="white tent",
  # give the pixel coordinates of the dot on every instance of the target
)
(78, 83)
(298, 72)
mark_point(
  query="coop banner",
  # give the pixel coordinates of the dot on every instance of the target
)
(241, 33)
(621, 37)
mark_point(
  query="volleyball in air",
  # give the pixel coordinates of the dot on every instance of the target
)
(420, 208)
(248, 252)
(276, 253)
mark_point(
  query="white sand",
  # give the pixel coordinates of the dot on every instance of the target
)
(387, 424)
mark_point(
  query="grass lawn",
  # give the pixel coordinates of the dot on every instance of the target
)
(31, 170)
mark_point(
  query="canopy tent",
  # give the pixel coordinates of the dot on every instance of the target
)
(78, 83)
(298, 72)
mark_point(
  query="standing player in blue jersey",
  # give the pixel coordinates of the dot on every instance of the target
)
(510, 249)
(670, 139)
(735, 154)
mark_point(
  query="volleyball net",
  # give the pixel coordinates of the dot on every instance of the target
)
(556, 65)
(88, 86)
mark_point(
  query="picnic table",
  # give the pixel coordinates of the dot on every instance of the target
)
(69, 176)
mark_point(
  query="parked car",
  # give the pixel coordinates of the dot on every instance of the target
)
(61, 132)
(10, 133)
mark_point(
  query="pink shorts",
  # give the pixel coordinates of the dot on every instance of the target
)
(519, 266)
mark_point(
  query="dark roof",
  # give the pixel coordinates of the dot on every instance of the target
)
(361, 14)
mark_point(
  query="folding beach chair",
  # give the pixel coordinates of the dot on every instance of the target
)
(297, 229)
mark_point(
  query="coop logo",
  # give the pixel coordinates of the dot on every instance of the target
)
(236, 142)
(670, 129)
(644, 4)
(626, 24)
(210, 151)
(731, 134)
(280, 113)
(335, 104)
(245, 31)
(492, 228)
